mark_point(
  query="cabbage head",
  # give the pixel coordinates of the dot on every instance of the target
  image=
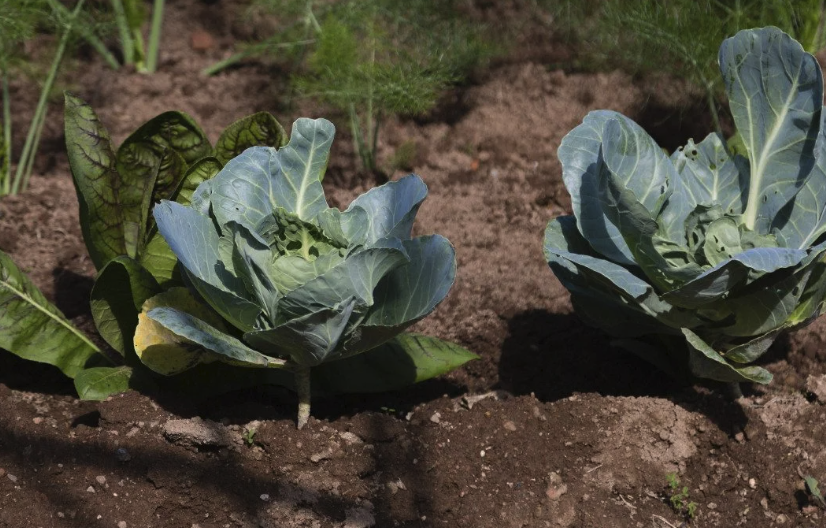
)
(698, 260)
(294, 283)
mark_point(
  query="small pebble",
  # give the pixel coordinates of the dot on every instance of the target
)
(11, 477)
(38, 420)
(2, 472)
(752, 483)
(436, 418)
(122, 455)
(265, 497)
(90, 489)
(101, 480)
(510, 426)
(61, 515)
(122, 524)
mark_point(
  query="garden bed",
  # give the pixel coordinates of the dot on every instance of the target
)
(570, 432)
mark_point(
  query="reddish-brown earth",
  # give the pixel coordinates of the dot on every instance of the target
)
(552, 427)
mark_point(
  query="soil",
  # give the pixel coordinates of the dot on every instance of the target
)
(551, 427)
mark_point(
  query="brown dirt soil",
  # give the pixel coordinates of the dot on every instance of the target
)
(552, 427)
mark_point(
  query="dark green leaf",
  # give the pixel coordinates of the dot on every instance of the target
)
(707, 363)
(99, 383)
(120, 290)
(32, 328)
(202, 170)
(97, 182)
(257, 130)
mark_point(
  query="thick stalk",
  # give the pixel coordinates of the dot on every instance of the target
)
(302, 387)
(735, 390)
(23, 172)
(5, 175)
(124, 31)
(154, 36)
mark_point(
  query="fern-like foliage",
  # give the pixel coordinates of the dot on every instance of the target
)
(374, 58)
(679, 37)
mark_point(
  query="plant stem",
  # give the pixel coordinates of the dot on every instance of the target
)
(124, 31)
(712, 105)
(5, 170)
(24, 165)
(154, 36)
(358, 138)
(249, 52)
(89, 36)
(735, 390)
(302, 384)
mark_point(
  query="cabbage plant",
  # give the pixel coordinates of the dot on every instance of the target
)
(291, 282)
(700, 259)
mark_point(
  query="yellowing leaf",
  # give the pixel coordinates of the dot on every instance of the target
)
(160, 349)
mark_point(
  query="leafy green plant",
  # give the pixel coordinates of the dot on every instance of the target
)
(291, 283)
(679, 498)
(18, 20)
(166, 158)
(249, 436)
(129, 16)
(371, 59)
(34, 329)
(812, 486)
(679, 37)
(698, 261)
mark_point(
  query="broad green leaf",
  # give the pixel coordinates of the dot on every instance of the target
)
(391, 208)
(200, 333)
(710, 174)
(707, 363)
(302, 164)
(717, 282)
(563, 242)
(97, 182)
(634, 220)
(309, 340)
(803, 220)
(243, 190)
(32, 328)
(346, 229)
(262, 179)
(119, 291)
(589, 276)
(355, 277)
(765, 308)
(259, 129)
(751, 350)
(582, 171)
(775, 92)
(194, 240)
(159, 260)
(98, 383)
(638, 163)
(404, 360)
(251, 261)
(413, 290)
(199, 172)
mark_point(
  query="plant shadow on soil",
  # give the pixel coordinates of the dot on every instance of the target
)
(555, 356)
(164, 467)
